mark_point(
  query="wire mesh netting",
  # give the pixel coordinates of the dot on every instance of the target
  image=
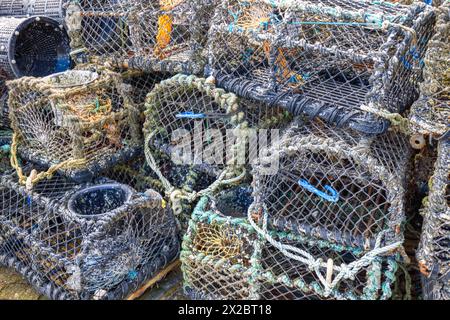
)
(100, 240)
(335, 184)
(164, 35)
(434, 250)
(431, 113)
(25, 8)
(331, 59)
(36, 46)
(78, 122)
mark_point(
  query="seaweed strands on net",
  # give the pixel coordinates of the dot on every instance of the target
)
(98, 240)
(165, 35)
(349, 63)
(79, 122)
(430, 115)
(433, 254)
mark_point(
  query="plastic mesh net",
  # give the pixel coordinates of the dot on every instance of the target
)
(331, 59)
(431, 113)
(4, 113)
(434, 253)
(165, 35)
(92, 241)
(78, 122)
(36, 46)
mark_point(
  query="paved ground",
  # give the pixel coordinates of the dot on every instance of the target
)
(14, 287)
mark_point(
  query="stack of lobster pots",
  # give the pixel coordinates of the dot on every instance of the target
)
(297, 149)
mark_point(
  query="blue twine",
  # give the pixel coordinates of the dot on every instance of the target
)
(190, 115)
(334, 197)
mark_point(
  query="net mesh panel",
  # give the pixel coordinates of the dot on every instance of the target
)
(79, 122)
(92, 241)
(336, 185)
(165, 35)
(217, 247)
(431, 113)
(24, 8)
(322, 58)
(36, 46)
(434, 253)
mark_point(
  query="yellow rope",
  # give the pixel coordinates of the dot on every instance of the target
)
(218, 241)
(34, 176)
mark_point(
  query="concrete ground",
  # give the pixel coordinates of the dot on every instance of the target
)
(14, 287)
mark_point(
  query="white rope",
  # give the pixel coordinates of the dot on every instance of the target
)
(344, 271)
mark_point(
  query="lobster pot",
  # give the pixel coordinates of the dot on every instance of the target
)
(36, 46)
(217, 248)
(331, 59)
(25, 8)
(101, 240)
(334, 184)
(164, 35)
(79, 122)
(433, 254)
(279, 277)
(429, 115)
(188, 125)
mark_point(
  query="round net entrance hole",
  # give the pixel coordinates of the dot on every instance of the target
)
(97, 200)
(38, 47)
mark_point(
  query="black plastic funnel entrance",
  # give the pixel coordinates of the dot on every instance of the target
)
(36, 46)
(95, 201)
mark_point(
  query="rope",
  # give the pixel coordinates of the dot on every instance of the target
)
(345, 271)
(396, 119)
(35, 177)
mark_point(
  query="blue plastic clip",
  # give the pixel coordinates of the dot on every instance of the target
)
(190, 115)
(334, 197)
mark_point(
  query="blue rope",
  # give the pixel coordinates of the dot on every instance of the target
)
(334, 197)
